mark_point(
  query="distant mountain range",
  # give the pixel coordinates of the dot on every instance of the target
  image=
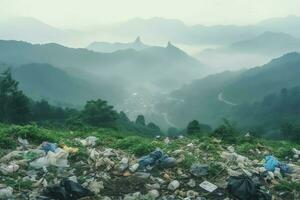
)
(154, 65)
(32, 30)
(160, 29)
(153, 29)
(212, 98)
(106, 75)
(111, 47)
(250, 52)
(268, 43)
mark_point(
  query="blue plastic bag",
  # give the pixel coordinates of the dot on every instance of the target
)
(271, 163)
(47, 146)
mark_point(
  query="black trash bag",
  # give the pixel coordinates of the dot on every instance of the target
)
(244, 188)
(156, 158)
(67, 190)
(56, 192)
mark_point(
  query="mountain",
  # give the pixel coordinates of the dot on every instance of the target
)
(253, 85)
(44, 81)
(111, 47)
(212, 98)
(268, 43)
(158, 66)
(154, 29)
(161, 29)
(29, 29)
(251, 52)
(271, 114)
(289, 25)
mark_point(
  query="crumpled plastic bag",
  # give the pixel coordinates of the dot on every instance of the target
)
(271, 163)
(48, 146)
(67, 190)
(59, 158)
(156, 158)
(8, 169)
(244, 188)
(24, 143)
(199, 170)
(89, 141)
(70, 150)
(6, 193)
(22, 155)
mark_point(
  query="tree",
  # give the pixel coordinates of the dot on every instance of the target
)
(226, 132)
(154, 127)
(140, 120)
(98, 113)
(193, 127)
(290, 132)
(14, 105)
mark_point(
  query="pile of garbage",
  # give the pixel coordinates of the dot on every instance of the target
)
(88, 171)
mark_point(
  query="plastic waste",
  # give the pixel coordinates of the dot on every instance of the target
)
(173, 185)
(47, 146)
(168, 162)
(199, 170)
(167, 140)
(33, 154)
(8, 169)
(271, 163)
(67, 190)
(89, 141)
(208, 186)
(6, 193)
(70, 150)
(23, 142)
(12, 155)
(156, 158)
(244, 188)
(59, 158)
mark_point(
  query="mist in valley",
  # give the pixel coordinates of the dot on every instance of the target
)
(140, 62)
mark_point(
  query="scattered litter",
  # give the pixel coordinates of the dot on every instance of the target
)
(48, 146)
(59, 158)
(208, 186)
(271, 163)
(245, 188)
(167, 140)
(173, 185)
(156, 158)
(24, 143)
(89, 141)
(6, 193)
(8, 169)
(70, 150)
(199, 170)
(67, 190)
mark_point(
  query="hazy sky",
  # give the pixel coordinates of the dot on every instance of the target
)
(80, 13)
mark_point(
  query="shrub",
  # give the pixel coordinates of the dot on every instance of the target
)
(227, 132)
(137, 145)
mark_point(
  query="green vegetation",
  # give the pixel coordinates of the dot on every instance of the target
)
(193, 127)
(14, 105)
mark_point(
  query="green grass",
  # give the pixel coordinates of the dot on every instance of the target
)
(287, 186)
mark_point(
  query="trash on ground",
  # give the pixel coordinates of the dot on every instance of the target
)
(208, 186)
(89, 141)
(156, 158)
(199, 170)
(48, 146)
(67, 190)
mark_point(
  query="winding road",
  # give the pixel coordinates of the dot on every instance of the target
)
(221, 98)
